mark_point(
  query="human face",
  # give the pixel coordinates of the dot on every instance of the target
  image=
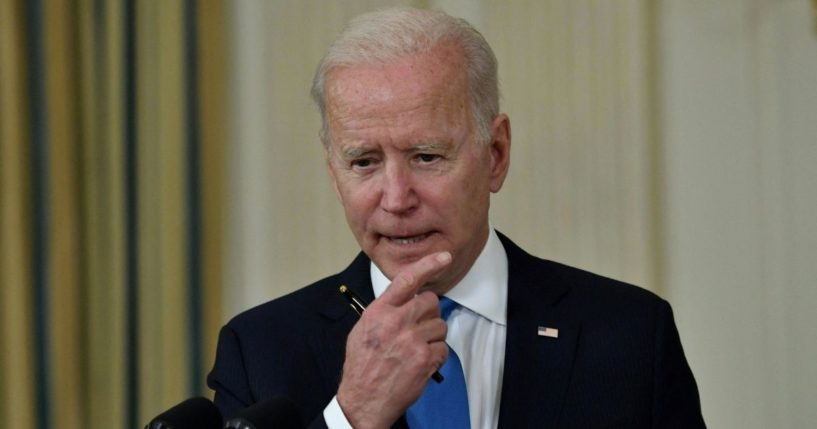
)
(407, 165)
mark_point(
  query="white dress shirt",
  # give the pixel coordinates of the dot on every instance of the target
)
(476, 332)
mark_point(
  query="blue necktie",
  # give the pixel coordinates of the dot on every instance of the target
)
(443, 405)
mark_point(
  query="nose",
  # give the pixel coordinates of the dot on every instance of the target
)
(398, 195)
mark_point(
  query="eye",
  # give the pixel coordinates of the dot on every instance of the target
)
(363, 163)
(427, 157)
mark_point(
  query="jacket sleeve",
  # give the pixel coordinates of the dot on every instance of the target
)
(676, 403)
(229, 376)
(230, 381)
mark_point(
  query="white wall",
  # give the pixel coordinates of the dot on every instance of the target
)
(738, 87)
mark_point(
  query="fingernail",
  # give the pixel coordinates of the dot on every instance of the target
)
(444, 257)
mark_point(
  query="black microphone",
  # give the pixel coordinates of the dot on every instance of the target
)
(278, 412)
(194, 413)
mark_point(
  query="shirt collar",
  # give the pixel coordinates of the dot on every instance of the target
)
(483, 290)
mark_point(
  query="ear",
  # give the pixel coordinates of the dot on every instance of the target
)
(500, 151)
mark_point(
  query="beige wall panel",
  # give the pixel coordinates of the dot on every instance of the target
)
(573, 77)
(738, 104)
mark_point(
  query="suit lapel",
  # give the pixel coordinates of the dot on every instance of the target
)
(329, 342)
(537, 367)
(356, 276)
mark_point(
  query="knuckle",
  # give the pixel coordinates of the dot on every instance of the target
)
(407, 278)
(413, 338)
(436, 328)
(441, 326)
(428, 299)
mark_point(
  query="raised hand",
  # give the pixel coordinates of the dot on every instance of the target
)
(394, 348)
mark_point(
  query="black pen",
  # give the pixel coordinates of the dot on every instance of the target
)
(358, 304)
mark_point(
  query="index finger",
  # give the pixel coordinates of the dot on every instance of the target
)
(408, 281)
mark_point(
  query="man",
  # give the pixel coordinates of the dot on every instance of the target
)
(415, 144)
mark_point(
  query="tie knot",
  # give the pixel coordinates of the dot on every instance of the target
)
(447, 305)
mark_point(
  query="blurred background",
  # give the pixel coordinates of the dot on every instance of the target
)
(160, 172)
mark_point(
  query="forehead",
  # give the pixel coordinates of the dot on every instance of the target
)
(434, 78)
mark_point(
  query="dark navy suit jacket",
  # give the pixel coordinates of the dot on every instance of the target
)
(617, 361)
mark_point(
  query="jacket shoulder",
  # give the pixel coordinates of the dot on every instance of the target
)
(299, 302)
(557, 282)
(596, 288)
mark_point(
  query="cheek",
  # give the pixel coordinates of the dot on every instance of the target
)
(358, 202)
(471, 196)
(452, 200)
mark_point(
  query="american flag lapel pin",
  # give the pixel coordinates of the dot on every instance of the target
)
(545, 331)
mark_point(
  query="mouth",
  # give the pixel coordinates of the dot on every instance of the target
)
(407, 239)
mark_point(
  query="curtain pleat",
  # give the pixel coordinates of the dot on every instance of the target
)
(110, 260)
(161, 197)
(64, 305)
(16, 333)
(104, 211)
(212, 77)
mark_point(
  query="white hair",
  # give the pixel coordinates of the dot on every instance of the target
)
(386, 35)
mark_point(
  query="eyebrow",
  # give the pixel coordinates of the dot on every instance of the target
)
(432, 146)
(359, 151)
(355, 152)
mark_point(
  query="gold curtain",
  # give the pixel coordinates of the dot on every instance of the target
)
(111, 196)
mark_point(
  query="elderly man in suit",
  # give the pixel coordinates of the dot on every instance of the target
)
(415, 145)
